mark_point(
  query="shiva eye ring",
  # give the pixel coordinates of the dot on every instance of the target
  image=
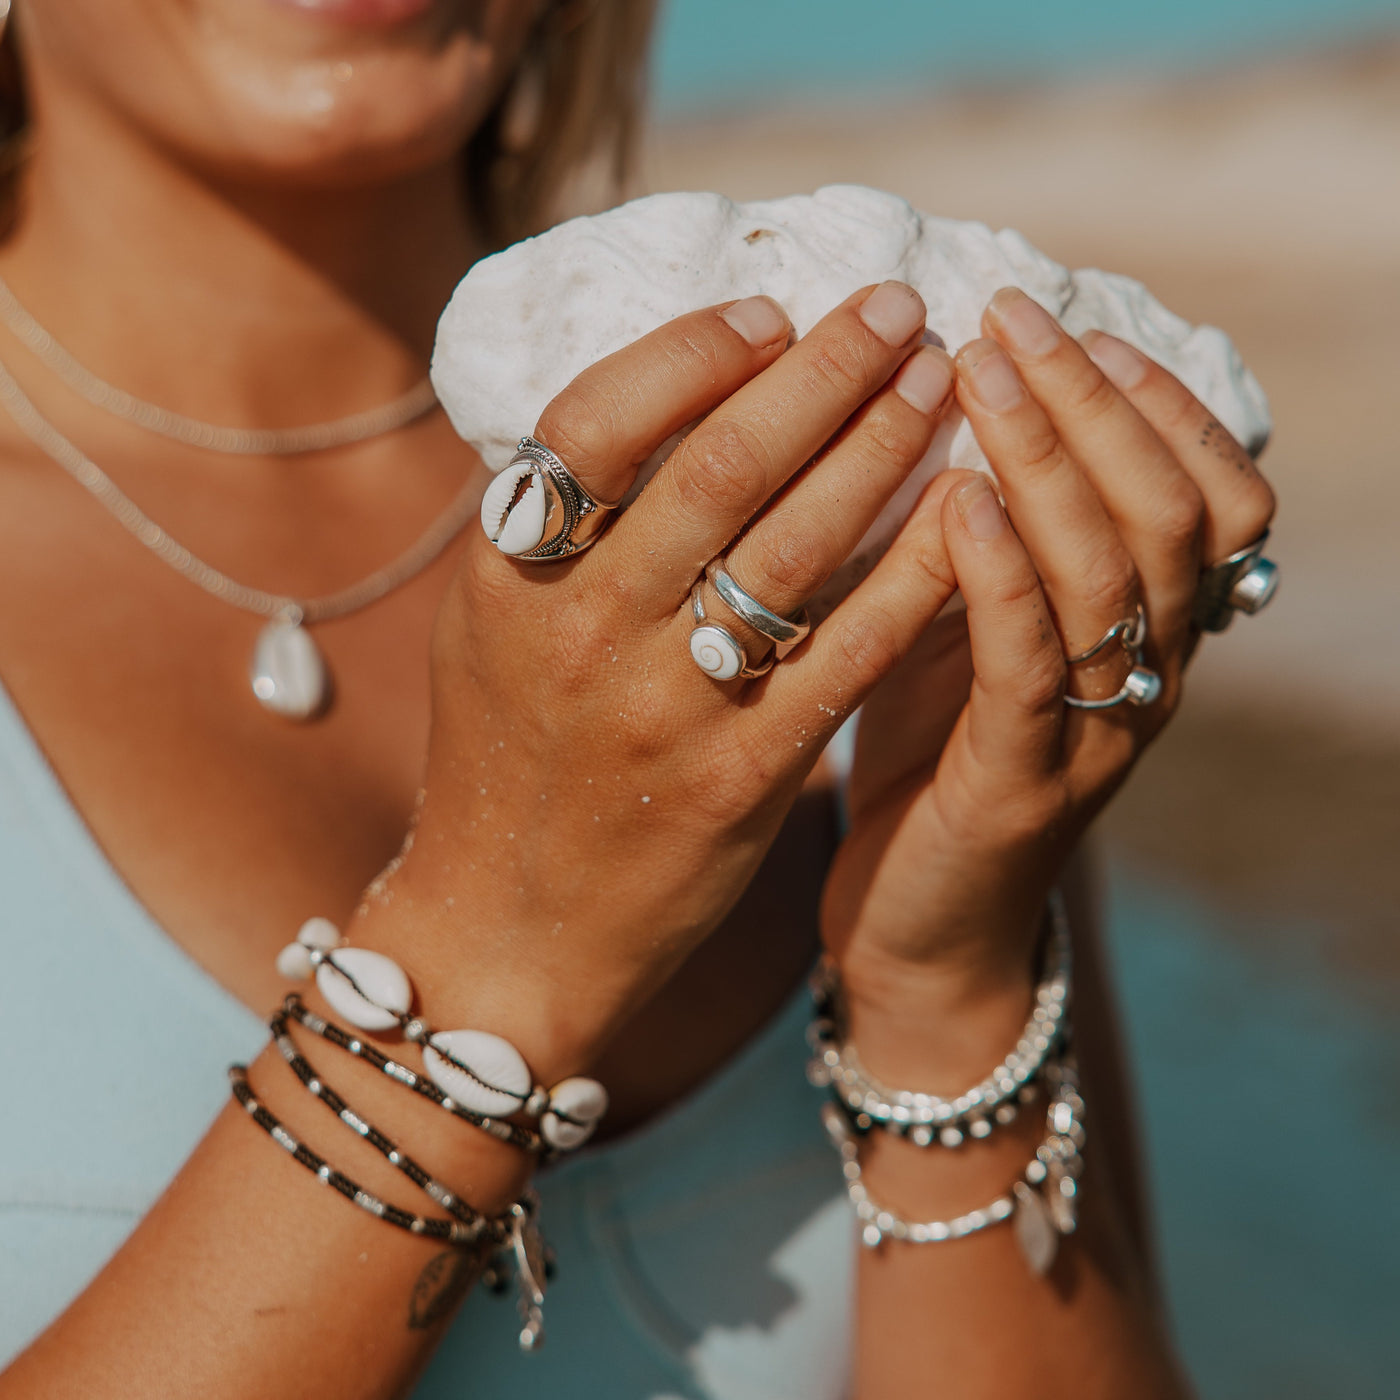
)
(536, 509)
(717, 651)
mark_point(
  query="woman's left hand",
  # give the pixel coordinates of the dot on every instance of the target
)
(973, 780)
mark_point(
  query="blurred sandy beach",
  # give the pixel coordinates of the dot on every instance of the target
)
(1265, 199)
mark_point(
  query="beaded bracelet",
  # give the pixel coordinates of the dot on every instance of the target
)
(1041, 1217)
(928, 1118)
(319, 1089)
(517, 1231)
(524, 1138)
(478, 1070)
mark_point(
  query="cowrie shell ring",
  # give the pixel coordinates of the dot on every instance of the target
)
(536, 509)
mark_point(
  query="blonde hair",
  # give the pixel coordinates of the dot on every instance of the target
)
(569, 117)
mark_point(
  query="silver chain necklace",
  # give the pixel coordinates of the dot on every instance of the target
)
(246, 442)
(288, 672)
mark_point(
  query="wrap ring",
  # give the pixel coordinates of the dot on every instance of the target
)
(784, 631)
(1244, 582)
(717, 651)
(536, 509)
(1142, 685)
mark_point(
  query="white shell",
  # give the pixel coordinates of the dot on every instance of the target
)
(583, 1099)
(493, 1060)
(716, 653)
(318, 932)
(525, 322)
(294, 962)
(519, 528)
(1035, 1233)
(288, 673)
(384, 982)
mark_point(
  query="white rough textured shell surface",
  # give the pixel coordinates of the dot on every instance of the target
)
(584, 1100)
(492, 1059)
(524, 322)
(383, 981)
(288, 672)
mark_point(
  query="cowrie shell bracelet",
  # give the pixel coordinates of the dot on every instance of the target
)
(475, 1070)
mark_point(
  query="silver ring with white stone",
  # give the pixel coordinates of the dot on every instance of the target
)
(536, 509)
(1142, 685)
(1244, 582)
(717, 651)
(786, 631)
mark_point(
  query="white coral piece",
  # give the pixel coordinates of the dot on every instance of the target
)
(524, 322)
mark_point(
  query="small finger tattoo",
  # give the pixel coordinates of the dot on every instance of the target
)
(445, 1281)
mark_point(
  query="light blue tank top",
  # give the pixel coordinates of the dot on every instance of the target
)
(708, 1256)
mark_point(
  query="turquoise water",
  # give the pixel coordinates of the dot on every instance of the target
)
(714, 50)
(1272, 1124)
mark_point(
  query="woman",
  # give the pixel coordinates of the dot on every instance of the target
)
(251, 213)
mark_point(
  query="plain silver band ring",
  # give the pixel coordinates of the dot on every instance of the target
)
(1244, 582)
(784, 631)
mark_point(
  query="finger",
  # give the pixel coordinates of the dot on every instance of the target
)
(726, 469)
(1239, 503)
(796, 545)
(619, 411)
(1087, 572)
(1156, 507)
(1015, 714)
(809, 695)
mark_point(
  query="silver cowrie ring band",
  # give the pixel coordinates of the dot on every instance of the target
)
(536, 509)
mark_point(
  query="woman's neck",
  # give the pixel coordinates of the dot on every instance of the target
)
(244, 305)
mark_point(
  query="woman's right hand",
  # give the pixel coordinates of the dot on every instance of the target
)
(594, 803)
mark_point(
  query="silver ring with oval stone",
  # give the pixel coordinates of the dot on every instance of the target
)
(785, 631)
(1245, 582)
(536, 509)
(717, 651)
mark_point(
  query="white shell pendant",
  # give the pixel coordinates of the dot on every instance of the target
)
(716, 653)
(288, 673)
(493, 1061)
(382, 980)
(318, 932)
(1035, 1233)
(294, 962)
(585, 1101)
(514, 509)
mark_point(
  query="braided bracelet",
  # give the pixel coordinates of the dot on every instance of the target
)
(926, 1118)
(1041, 1216)
(479, 1071)
(524, 1138)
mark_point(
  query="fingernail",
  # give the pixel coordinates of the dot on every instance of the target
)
(760, 320)
(1121, 364)
(894, 312)
(1029, 327)
(979, 509)
(933, 338)
(995, 382)
(924, 380)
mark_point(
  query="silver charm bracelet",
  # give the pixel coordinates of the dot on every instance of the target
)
(926, 1119)
(1042, 1203)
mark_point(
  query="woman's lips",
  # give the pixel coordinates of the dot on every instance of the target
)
(366, 12)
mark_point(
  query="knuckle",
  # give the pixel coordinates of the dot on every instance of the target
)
(868, 649)
(579, 426)
(1108, 583)
(1041, 684)
(1181, 513)
(1259, 506)
(837, 364)
(1042, 453)
(885, 435)
(725, 468)
(794, 562)
(1092, 396)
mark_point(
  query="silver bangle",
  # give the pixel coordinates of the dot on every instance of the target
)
(1043, 1202)
(928, 1118)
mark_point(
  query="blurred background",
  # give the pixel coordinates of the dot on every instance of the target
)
(1242, 157)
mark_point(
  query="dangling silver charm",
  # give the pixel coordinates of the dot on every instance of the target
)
(1035, 1231)
(530, 1271)
(288, 672)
